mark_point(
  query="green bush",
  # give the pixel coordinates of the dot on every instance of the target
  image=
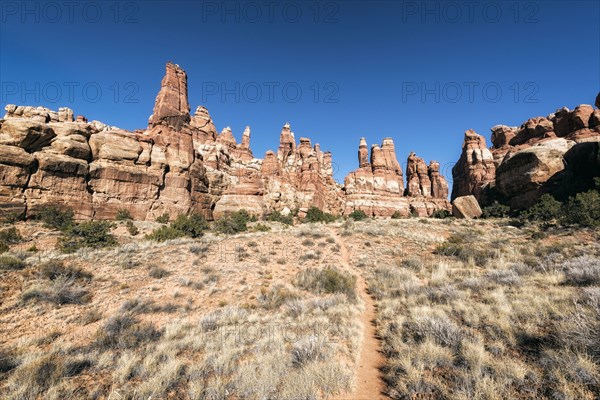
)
(277, 216)
(8, 262)
(93, 234)
(164, 233)
(261, 228)
(3, 247)
(441, 214)
(231, 224)
(164, 218)
(496, 210)
(192, 225)
(123, 215)
(315, 214)
(583, 209)
(56, 218)
(131, 228)
(546, 209)
(358, 215)
(327, 280)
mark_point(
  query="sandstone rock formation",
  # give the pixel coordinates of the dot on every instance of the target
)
(527, 161)
(377, 186)
(475, 169)
(181, 164)
(466, 207)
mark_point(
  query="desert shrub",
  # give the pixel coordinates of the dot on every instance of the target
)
(441, 330)
(504, 277)
(307, 349)
(8, 262)
(546, 209)
(123, 215)
(277, 216)
(56, 269)
(496, 210)
(583, 209)
(276, 296)
(315, 214)
(10, 236)
(233, 223)
(261, 228)
(163, 218)
(158, 272)
(192, 225)
(60, 291)
(358, 215)
(582, 271)
(92, 234)
(462, 246)
(396, 215)
(3, 247)
(8, 362)
(441, 214)
(56, 218)
(131, 228)
(164, 233)
(327, 280)
(125, 332)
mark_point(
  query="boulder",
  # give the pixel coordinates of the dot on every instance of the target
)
(466, 207)
(522, 173)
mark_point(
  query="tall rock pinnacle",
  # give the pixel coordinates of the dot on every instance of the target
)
(171, 106)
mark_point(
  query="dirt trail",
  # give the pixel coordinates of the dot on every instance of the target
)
(368, 377)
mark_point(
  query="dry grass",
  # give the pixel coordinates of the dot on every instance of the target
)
(465, 310)
(486, 314)
(217, 318)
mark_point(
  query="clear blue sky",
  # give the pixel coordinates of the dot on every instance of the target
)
(372, 69)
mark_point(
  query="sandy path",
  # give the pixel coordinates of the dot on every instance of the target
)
(368, 376)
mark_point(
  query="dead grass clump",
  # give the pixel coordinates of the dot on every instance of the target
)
(327, 280)
(56, 269)
(146, 306)
(582, 271)
(60, 291)
(125, 332)
(157, 272)
(276, 296)
(38, 373)
(10, 262)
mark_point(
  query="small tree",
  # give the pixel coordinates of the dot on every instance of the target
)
(56, 218)
(546, 209)
(358, 215)
(315, 214)
(496, 210)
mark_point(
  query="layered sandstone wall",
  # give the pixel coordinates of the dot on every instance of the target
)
(180, 163)
(527, 161)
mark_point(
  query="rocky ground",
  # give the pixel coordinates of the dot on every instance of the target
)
(409, 308)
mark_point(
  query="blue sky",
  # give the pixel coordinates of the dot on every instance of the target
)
(419, 72)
